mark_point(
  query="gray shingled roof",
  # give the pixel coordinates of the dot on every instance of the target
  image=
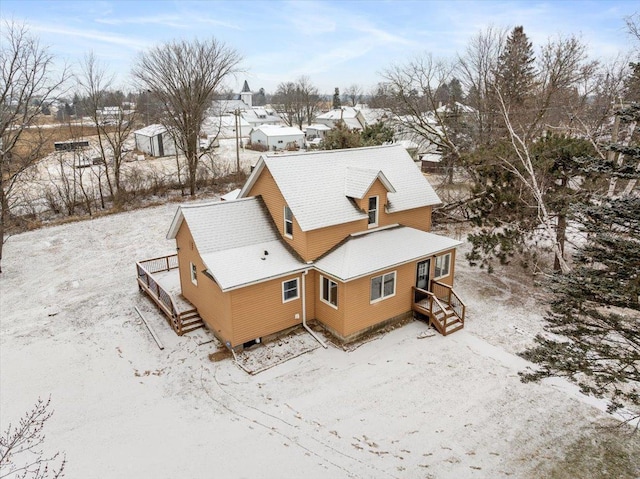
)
(381, 249)
(232, 237)
(313, 183)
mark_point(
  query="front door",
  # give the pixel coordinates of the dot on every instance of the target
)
(422, 274)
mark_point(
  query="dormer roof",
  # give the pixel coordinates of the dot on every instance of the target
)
(314, 184)
(358, 181)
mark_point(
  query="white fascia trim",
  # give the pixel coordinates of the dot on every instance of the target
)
(251, 283)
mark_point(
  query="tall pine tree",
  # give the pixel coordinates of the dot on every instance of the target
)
(515, 72)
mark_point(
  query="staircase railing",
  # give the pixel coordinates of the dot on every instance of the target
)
(445, 293)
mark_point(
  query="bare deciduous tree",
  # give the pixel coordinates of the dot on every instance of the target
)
(21, 453)
(297, 101)
(28, 79)
(353, 94)
(184, 77)
(112, 125)
(413, 88)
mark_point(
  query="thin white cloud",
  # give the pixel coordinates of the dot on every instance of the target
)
(110, 38)
(181, 21)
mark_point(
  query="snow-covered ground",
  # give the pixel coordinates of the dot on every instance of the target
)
(398, 406)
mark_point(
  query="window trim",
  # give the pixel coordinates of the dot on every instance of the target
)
(377, 210)
(193, 272)
(382, 295)
(288, 221)
(297, 296)
(435, 266)
(322, 291)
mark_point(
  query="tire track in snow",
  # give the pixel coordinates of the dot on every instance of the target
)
(292, 436)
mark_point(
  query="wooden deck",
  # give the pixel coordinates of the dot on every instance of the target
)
(442, 306)
(158, 278)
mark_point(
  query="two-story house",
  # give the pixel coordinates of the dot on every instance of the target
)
(339, 237)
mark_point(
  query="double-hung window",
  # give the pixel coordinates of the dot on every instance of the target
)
(290, 290)
(383, 286)
(443, 265)
(288, 222)
(373, 211)
(329, 292)
(194, 273)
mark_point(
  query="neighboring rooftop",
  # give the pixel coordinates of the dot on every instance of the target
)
(151, 130)
(278, 130)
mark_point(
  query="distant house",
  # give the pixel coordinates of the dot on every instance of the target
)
(155, 140)
(339, 237)
(317, 130)
(225, 126)
(351, 117)
(261, 115)
(277, 137)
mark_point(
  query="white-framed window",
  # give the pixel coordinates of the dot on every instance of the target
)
(194, 273)
(373, 211)
(383, 286)
(288, 222)
(290, 290)
(443, 265)
(329, 291)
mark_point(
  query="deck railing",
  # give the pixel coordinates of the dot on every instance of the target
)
(162, 298)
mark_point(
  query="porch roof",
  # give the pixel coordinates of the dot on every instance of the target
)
(380, 249)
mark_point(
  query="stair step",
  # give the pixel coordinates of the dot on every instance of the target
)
(191, 328)
(190, 321)
(453, 330)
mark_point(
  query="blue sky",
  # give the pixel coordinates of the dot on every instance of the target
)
(335, 43)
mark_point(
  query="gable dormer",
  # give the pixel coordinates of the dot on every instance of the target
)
(368, 187)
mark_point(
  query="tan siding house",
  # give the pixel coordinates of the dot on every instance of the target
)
(338, 237)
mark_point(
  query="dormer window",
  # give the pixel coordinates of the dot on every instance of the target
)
(373, 211)
(288, 222)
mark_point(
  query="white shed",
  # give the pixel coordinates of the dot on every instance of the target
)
(276, 137)
(155, 140)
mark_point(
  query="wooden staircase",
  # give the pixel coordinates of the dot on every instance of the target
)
(189, 321)
(442, 306)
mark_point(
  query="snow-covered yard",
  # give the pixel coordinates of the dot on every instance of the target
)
(396, 406)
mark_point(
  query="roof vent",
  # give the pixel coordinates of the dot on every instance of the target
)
(266, 253)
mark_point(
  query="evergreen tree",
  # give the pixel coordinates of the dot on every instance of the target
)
(341, 136)
(376, 134)
(336, 99)
(515, 71)
(260, 98)
(595, 314)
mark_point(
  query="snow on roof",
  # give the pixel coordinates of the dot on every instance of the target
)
(212, 124)
(232, 237)
(359, 180)
(319, 127)
(313, 183)
(381, 249)
(459, 106)
(278, 130)
(339, 113)
(232, 195)
(253, 263)
(151, 130)
(352, 123)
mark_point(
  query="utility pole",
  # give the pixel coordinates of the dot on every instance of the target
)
(236, 114)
